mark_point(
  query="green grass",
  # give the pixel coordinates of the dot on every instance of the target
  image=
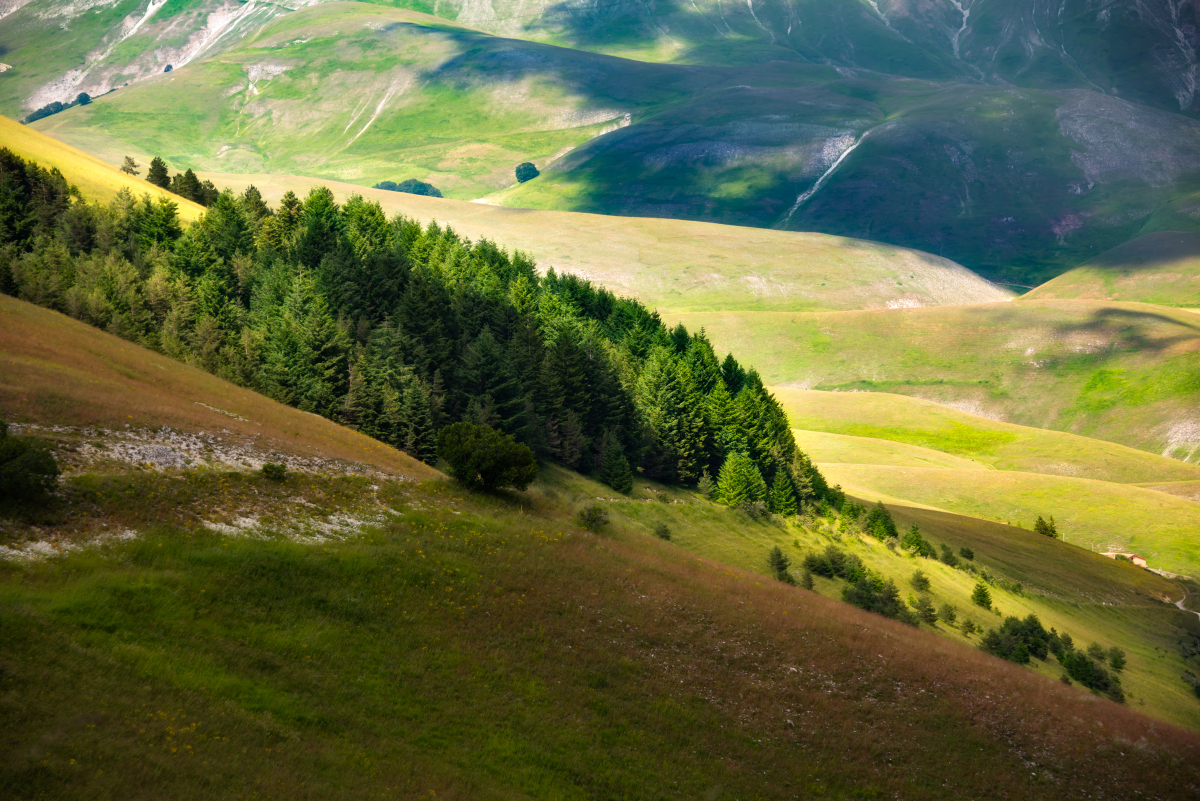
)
(938, 431)
(1126, 373)
(1097, 515)
(1161, 268)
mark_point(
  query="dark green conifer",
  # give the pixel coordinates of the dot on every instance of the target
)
(158, 174)
(615, 471)
(783, 498)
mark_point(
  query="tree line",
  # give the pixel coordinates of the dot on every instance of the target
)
(400, 330)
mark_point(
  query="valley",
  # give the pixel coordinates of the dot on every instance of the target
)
(751, 404)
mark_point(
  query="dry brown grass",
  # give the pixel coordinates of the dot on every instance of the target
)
(58, 371)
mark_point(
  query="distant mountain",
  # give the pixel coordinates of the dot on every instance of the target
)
(1013, 138)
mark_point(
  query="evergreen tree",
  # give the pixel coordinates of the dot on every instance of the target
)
(733, 375)
(318, 228)
(130, 167)
(158, 174)
(1046, 528)
(982, 596)
(779, 564)
(253, 206)
(227, 229)
(740, 483)
(615, 472)
(783, 498)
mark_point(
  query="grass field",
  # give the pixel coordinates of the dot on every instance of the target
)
(1122, 372)
(97, 180)
(1161, 268)
(1097, 515)
(870, 423)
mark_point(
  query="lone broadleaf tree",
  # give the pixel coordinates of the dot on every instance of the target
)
(526, 172)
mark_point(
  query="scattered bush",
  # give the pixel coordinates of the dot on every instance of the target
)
(779, 564)
(526, 172)
(1116, 658)
(27, 469)
(982, 596)
(966, 553)
(879, 523)
(968, 627)
(1046, 528)
(914, 542)
(662, 531)
(880, 596)
(593, 517)
(1018, 640)
(1091, 674)
(924, 609)
(1096, 651)
(835, 563)
(755, 509)
(806, 579)
(275, 472)
(920, 581)
(948, 556)
(481, 456)
(948, 614)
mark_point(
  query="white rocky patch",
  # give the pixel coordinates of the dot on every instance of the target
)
(1182, 440)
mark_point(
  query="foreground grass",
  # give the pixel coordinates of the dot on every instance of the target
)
(469, 646)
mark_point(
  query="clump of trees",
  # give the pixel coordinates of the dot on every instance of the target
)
(481, 456)
(187, 185)
(55, 106)
(410, 186)
(1046, 527)
(28, 470)
(400, 330)
(1021, 641)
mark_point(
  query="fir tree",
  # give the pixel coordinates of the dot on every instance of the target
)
(130, 167)
(740, 483)
(158, 174)
(615, 472)
(982, 596)
(783, 498)
(779, 564)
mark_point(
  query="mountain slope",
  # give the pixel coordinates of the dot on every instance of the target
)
(478, 645)
(1014, 183)
(96, 180)
(1162, 268)
(1122, 372)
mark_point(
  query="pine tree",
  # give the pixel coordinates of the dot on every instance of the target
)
(779, 564)
(253, 206)
(982, 596)
(740, 483)
(783, 498)
(1042, 527)
(158, 174)
(733, 375)
(614, 470)
(130, 167)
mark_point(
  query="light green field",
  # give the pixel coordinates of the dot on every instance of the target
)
(97, 181)
(1161, 268)
(1097, 515)
(872, 421)
(824, 447)
(1122, 372)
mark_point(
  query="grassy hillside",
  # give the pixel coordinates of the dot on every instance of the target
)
(862, 427)
(224, 640)
(1161, 268)
(96, 180)
(364, 93)
(59, 371)
(680, 265)
(1121, 372)
(1098, 515)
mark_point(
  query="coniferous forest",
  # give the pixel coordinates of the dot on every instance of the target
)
(399, 330)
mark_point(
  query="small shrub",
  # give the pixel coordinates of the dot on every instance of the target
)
(920, 581)
(755, 509)
(948, 556)
(593, 517)
(526, 172)
(481, 456)
(706, 485)
(275, 472)
(914, 542)
(662, 531)
(968, 627)
(925, 611)
(1116, 658)
(1065, 679)
(982, 596)
(948, 614)
(27, 469)
(806, 579)
(966, 553)
(1096, 651)
(779, 564)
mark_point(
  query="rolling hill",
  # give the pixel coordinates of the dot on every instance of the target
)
(96, 179)
(786, 144)
(215, 645)
(1122, 372)
(1161, 268)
